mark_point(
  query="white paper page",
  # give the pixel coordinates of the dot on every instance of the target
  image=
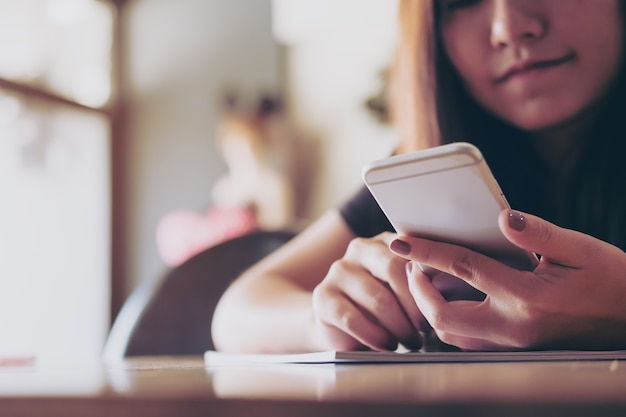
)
(213, 358)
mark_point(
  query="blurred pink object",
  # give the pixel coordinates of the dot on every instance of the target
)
(182, 234)
(17, 360)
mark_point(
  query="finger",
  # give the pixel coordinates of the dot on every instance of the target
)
(337, 312)
(558, 245)
(453, 321)
(401, 291)
(481, 272)
(389, 268)
(378, 301)
(453, 288)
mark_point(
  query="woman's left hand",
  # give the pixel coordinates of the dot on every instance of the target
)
(575, 298)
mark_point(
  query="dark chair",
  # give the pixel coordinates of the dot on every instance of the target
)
(173, 316)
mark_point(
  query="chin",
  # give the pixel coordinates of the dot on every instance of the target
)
(542, 119)
(544, 113)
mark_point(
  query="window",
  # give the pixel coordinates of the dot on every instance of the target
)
(57, 107)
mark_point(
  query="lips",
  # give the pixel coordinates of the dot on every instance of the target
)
(528, 66)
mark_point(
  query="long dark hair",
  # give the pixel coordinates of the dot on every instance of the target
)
(430, 106)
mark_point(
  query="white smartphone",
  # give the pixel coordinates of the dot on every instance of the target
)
(448, 194)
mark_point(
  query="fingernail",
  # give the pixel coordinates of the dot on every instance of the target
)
(400, 247)
(517, 221)
(409, 268)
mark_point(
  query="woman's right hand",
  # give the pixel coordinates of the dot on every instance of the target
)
(364, 300)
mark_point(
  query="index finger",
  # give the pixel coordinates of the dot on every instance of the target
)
(466, 324)
(387, 269)
(480, 271)
(390, 269)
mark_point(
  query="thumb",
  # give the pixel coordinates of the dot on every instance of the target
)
(556, 244)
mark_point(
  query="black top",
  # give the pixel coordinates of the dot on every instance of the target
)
(364, 216)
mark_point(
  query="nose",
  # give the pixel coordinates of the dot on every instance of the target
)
(514, 22)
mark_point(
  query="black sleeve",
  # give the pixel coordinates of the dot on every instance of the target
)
(364, 216)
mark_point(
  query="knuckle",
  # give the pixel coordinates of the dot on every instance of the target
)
(437, 320)
(356, 245)
(327, 306)
(337, 268)
(546, 232)
(349, 321)
(380, 302)
(325, 297)
(320, 298)
(386, 237)
(464, 266)
(318, 293)
(394, 270)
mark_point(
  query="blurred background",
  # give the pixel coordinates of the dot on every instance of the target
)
(124, 130)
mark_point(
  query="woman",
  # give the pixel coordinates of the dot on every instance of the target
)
(536, 85)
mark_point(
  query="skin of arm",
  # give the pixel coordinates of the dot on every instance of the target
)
(268, 308)
(323, 290)
(574, 299)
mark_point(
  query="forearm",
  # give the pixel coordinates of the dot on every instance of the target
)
(269, 308)
(267, 315)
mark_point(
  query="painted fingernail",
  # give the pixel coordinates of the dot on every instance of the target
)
(400, 247)
(517, 221)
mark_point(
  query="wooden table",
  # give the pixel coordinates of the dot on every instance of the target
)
(182, 386)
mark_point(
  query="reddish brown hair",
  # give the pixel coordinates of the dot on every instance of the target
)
(413, 82)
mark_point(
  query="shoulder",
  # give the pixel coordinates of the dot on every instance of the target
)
(363, 215)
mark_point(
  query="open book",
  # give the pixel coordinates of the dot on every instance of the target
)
(213, 358)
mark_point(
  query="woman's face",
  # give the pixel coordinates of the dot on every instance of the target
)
(534, 63)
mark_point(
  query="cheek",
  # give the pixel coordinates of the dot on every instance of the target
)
(604, 60)
(470, 68)
(467, 57)
(596, 33)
